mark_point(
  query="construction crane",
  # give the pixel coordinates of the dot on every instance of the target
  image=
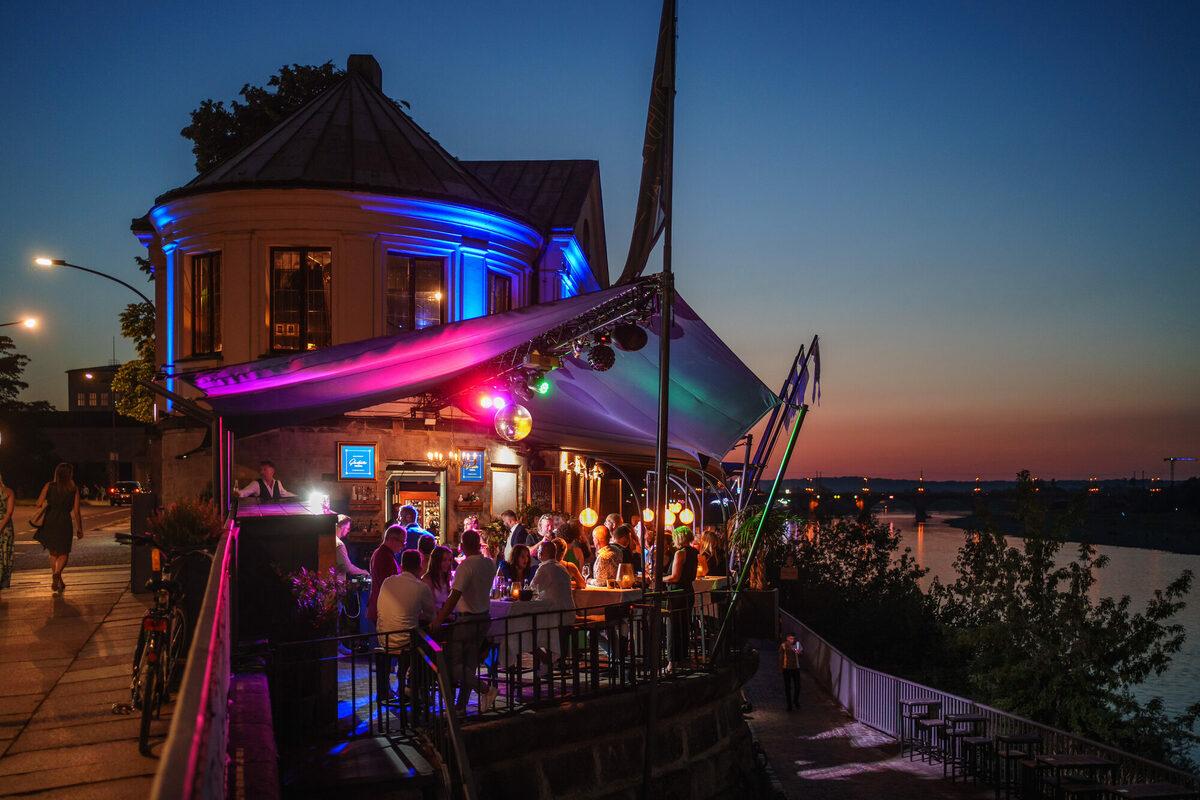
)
(1173, 460)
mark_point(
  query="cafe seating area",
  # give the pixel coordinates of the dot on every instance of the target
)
(1015, 763)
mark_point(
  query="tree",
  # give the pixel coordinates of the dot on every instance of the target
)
(26, 455)
(1037, 644)
(218, 132)
(12, 367)
(137, 325)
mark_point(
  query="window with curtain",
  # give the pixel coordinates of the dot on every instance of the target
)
(205, 311)
(301, 307)
(416, 298)
(499, 293)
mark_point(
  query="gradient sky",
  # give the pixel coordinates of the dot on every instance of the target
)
(989, 212)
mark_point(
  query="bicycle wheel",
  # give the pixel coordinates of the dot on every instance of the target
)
(149, 706)
(175, 639)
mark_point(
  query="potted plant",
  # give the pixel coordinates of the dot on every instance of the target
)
(189, 525)
(494, 536)
(305, 692)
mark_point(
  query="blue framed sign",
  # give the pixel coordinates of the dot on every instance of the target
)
(470, 469)
(356, 462)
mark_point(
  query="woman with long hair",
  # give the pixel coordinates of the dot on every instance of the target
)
(62, 522)
(519, 568)
(8, 535)
(437, 574)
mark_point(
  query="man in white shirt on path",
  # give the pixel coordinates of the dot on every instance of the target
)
(404, 600)
(470, 593)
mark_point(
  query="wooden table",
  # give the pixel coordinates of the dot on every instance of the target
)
(1074, 764)
(1158, 791)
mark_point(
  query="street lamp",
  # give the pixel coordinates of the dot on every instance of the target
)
(42, 261)
(30, 322)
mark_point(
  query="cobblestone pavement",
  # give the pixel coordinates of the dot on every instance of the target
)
(820, 753)
(64, 661)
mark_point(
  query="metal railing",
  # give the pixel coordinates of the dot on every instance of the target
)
(873, 698)
(194, 756)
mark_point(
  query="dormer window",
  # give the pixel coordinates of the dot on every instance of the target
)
(416, 298)
(301, 283)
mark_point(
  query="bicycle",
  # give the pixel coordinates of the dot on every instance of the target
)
(160, 641)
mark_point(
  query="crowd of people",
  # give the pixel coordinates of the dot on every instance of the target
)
(417, 582)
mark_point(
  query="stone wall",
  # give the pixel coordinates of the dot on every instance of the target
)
(593, 749)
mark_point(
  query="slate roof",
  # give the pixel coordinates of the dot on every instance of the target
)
(550, 192)
(354, 137)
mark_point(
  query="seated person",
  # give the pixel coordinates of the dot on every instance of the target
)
(607, 559)
(629, 554)
(519, 568)
(437, 574)
(425, 546)
(554, 583)
(577, 581)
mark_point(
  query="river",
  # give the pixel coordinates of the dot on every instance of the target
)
(1130, 571)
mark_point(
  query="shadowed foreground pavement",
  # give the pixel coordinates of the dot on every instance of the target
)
(64, 661)
(821, 753)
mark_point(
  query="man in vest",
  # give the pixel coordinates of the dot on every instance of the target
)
(266, 487)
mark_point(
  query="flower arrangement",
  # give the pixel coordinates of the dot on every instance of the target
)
(494, 535)
(316, 594)
(187, 524)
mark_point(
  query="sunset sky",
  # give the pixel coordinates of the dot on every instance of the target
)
(989, 212)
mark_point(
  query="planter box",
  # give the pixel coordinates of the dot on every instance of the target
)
(469, 506)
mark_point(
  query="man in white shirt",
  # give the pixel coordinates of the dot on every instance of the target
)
(404, 600)
(470, 592)
(266, 487)
(607, 560)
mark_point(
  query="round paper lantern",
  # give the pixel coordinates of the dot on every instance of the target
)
(588, 517)
(675, 507)
(687, 516)
(669, 517)
(513, 422)
(648, 514)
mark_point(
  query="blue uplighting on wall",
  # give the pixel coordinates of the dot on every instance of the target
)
(471, 221)
(577, 274)
(169, 305)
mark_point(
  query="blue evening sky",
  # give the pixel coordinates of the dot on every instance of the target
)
(990, 212)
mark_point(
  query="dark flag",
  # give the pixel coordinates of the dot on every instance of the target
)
(653, 206)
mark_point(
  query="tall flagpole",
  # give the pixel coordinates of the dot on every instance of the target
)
(666, 308)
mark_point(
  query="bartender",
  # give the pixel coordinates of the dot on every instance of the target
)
(266, 486)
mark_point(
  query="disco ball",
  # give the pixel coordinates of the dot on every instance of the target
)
(513, 422)
(602, 357)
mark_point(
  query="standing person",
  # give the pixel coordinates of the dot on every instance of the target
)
(61, 499)
(681, 593)
(716, 563)
(8, 535)
(545, 532)
(516, 532)
(789, 667)
(574, 553)
(404, 600)
(383, 566)
(409, 518)
(266, 487)
(607, 559)
(470, 594)
(343, 565)
(437, 574)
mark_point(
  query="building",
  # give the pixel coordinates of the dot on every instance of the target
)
(347, 236)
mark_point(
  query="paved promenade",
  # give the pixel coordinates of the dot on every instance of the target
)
(64, 661)
(821, 753)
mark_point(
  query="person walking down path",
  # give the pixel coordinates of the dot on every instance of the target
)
(8, 534)
(789, 667)
(62, 522)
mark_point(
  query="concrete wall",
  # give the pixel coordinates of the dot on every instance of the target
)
(593, 749)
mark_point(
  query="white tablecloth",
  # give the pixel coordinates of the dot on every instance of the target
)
(595, 597)
(523, 626)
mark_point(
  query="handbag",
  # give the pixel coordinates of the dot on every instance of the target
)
(39, 517)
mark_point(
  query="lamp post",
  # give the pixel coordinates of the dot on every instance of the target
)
(42, 261)
(29, 322)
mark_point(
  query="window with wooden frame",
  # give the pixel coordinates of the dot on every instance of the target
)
(499, 293)
(301, 302)
(416, 297)
(205, 303)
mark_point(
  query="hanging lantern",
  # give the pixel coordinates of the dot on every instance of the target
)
(676, 507)
(648, 514)
(687, 516)
(513, 422)
(588, 517)
(669, 518)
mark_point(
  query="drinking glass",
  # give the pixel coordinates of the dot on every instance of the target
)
(587, 572)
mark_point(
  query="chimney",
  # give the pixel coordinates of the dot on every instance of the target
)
(367, 68)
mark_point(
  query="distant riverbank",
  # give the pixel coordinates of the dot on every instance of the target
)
(1172, 531)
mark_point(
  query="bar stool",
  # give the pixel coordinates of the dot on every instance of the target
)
(1013, 749)
(976, 757)
(927, 729)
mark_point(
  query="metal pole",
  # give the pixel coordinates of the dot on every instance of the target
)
(745, 471)
(58, 262)
(762, 521)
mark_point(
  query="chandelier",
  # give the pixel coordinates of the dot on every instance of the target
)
(438, 459)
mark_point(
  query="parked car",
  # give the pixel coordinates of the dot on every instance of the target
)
(122, 492)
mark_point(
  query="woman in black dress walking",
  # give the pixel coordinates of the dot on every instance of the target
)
(63, 521)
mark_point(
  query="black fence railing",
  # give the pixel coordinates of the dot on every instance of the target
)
(401, 684)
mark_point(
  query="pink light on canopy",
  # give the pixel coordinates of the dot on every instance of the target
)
(715, 398)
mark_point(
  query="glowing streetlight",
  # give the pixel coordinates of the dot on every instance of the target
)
(42, 261)
(28, 322)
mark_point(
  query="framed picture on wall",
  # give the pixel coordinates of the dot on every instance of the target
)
(541, 491)
(356, 461)
(470, 469)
